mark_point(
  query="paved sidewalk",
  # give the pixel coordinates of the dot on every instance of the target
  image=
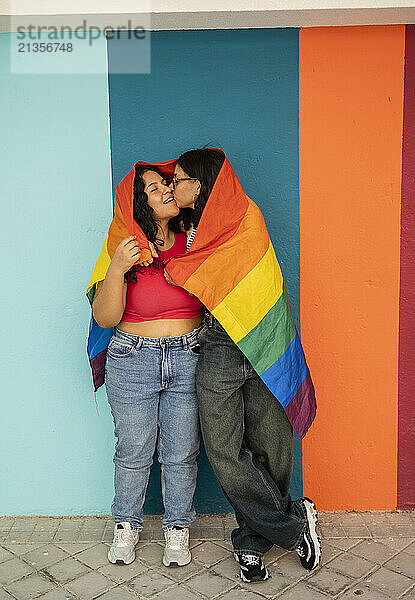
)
(368, 555)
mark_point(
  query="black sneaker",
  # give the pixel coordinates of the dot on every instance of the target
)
(309, 549)
(251, 567)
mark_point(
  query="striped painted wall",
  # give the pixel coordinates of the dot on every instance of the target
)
(319, 125)
(356, 148)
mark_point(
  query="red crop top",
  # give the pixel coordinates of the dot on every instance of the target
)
(153, 298)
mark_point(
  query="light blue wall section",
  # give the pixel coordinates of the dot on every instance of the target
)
(234, 89)
(56, 453)
(237, 90)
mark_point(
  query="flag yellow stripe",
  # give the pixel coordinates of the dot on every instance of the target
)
(101, 266)
(244, 307)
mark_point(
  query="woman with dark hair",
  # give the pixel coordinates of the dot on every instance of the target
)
(247, 433)
(150, 373)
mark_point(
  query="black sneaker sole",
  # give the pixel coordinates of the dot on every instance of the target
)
(314, 537)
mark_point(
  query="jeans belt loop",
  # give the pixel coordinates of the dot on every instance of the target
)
(139, 343)
(185, 342)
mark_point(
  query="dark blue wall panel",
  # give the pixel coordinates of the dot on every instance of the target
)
(237, 90)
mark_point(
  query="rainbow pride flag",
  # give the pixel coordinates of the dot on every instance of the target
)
(232, 268)
(122, 225)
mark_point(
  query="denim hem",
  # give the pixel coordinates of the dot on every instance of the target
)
(169, 527)
(240, 551)
(297, 543)
(134, 526)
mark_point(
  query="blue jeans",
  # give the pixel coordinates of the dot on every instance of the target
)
(150, 384)
(249, 443)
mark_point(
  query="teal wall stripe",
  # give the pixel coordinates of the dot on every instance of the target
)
(237, 90)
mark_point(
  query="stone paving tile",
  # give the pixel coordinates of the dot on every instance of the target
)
(410, 595)
(58, 593)
(302, 592)
(271, 556)
(403, 563)
(89, 585)
(178, 593)
(359, 531)
(66, 570)
(272, 586)
(37, 536)
(122, 573)
(365, 591)
(344, 543)
(118, 593)
(19, 549)
(353, 566)
(227, 568)
(30, 586)
(289, 566)
(4, 595)
(328, 552)
(389, 582)
(238, 593)
(209, 584)
(207, 533)
(14, 569)
(74, 524)
(332, 531)
(75, 547)
(380, 530)
(90, 535)
(6, 522)
(208, 553)
(94, 557)
(66, 536)
(396, 543)
(24, 524)
(152, 553)
(150, 583)
(5, 554)
(44, 556)
(411, 549)
(182, 573)
(22, 536)
(373, 550)
(94, 523)
(329, 582)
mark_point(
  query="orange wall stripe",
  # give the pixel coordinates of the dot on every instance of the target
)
(350, 139)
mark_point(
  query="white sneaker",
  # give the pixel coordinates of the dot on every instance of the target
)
(176, 551)
(122, 551)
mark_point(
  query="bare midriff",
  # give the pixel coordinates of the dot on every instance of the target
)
(160, 327)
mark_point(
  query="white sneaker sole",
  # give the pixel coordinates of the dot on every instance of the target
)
(121, 561)
(177, 563)
(312, 522)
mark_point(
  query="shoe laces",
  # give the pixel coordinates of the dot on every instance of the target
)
(125, 537)
(177, 538)
(301, 551)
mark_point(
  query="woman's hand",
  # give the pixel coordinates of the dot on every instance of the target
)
(148, 262)
(126, 254)
(168, 278)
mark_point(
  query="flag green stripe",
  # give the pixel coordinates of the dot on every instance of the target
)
(268, 341)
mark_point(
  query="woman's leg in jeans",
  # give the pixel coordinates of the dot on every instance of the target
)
(221, 378)
(268, 435)
(178, 444)
(131, 385)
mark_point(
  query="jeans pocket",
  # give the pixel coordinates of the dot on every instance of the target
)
(119, 348)
(194, 349)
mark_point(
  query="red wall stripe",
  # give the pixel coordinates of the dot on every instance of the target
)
(406, 382)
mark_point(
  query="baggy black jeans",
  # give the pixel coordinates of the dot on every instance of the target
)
(249, 443)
